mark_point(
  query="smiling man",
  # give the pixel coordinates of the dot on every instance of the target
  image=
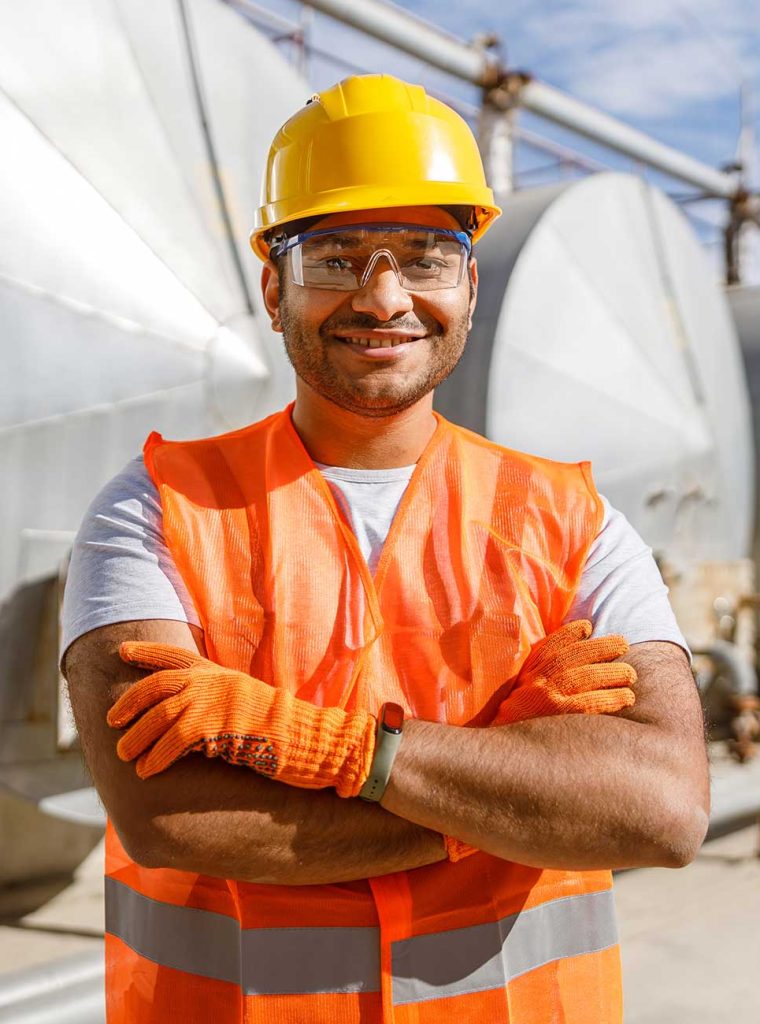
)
(419, 765)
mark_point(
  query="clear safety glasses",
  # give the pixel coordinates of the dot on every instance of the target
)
(344, 258)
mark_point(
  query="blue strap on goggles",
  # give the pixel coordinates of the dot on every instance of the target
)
(424, 258)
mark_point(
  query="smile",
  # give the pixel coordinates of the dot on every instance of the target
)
(387, 341)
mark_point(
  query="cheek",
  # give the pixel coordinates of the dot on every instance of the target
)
(449, 313)
(449, 307)
(308, 308)
(319, 307)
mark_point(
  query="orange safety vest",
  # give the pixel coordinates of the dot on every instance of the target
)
(483, 558)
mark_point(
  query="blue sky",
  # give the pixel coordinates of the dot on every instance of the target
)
(672, 68)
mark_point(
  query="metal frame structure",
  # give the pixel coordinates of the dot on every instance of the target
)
(505, 90)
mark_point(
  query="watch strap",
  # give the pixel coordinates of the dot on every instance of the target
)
(386, 746)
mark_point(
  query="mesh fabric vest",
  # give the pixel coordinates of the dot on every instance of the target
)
(483, 558)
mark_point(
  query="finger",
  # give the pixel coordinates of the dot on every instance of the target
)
(145, 694)
(169, 749)
(602, 702)
(153, 655)
(585, 678)
(529, 702)
(153, 724)
(587, 652)
(556, 642)
(605, 648)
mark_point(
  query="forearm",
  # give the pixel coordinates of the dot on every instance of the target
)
(573, 791)
(232, 823)
(207, 816)
(505, 794)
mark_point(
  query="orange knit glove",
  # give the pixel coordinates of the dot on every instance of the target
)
(565, 673)
(196, 705)
(568, 674)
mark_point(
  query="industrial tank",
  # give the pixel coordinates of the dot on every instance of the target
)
(601, 333)
(744, 303)
(134, 138)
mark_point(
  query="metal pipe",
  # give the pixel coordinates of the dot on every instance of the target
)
(730, 661)
(424, 41)
(563, 153)
(80, 1004)
(50, 982)
(549, 102)
(735, 797)
(213, 162)
(414, 36)
(255, 12)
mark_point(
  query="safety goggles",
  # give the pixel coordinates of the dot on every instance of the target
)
(344, 258)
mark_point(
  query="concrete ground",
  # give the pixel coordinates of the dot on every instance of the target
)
(690, 938)
(68, 921)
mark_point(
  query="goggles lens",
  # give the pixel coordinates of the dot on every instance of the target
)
(344, 258)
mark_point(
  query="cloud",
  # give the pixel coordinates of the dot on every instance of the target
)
(672, 68)
(648, 58)
(653, 76)
(669, 67)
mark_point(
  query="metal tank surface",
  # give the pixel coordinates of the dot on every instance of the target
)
(128, 294)
(601, 333)
(744, 303)
(134, 138)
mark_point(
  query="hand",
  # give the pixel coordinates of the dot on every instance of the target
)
(192, 704)
(567, 673)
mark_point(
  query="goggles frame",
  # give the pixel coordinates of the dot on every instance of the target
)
(292, 245)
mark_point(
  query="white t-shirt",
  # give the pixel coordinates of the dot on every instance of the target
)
(122, 570)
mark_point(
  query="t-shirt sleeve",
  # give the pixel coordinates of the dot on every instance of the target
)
(621, 589)
(121, 569)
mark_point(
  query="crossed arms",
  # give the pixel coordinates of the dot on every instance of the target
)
(574, 791)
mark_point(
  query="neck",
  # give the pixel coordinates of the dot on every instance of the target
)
(338, 437)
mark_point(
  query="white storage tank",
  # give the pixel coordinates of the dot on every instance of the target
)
(744, 303)
(127, 301)
(602, 334)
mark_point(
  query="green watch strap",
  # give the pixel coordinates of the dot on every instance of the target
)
(386, 746)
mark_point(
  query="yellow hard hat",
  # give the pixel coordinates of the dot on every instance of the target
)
(371, 142)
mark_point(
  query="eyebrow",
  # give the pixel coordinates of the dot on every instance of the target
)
(333, 240)
(421, 242)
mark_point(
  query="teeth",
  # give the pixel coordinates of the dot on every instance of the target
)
(375, 342)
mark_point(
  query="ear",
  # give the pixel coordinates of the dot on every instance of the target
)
(472, 270)
(270, 289)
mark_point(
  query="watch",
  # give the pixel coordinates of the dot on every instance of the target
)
(390, 726)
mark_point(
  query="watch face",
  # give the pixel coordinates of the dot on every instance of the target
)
(393, 717)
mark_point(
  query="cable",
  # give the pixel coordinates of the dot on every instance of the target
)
(212, 157)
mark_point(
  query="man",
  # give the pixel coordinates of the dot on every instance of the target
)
(389, 606)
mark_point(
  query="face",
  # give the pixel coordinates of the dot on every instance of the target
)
(421, 334)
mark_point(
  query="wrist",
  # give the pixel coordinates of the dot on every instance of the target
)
(388, 736)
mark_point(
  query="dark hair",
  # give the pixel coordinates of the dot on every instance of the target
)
(465, 215)
(293, 227)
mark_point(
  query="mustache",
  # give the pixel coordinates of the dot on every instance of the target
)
(363, 322)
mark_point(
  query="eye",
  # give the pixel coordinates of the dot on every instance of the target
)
(426, 265)
(333, 263)
(336, 263)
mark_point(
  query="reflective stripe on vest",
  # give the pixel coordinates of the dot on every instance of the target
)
(486, 956)
(262, 961)
(484, 557)
(305, 961)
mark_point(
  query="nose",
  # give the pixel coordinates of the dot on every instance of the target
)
(381, 295)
